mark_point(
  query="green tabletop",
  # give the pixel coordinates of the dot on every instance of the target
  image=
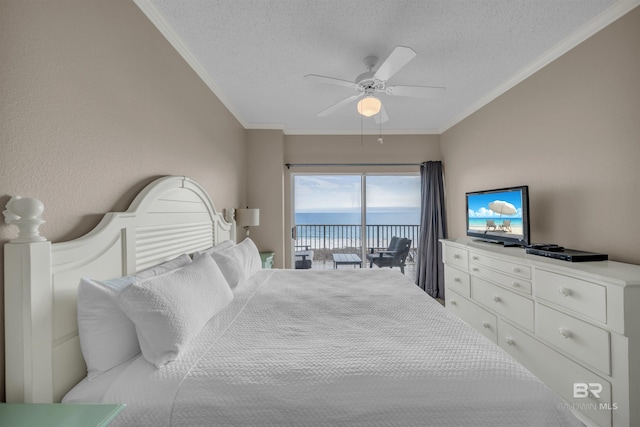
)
(267, 259)
(57, 414)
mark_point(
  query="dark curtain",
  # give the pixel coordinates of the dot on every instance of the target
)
(433, 226)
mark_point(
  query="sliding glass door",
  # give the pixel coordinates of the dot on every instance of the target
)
(392, 209)
(352, 215)
(327, 217)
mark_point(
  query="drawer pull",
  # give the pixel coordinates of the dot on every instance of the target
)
(486, 324)
(564, 291)
(453, 302)
(475, 269)
(515, 284)
(516, 270)
(456, 279)
(564, 332)
(475, 258)
(456, 256)
(509, 340)
(496, 298)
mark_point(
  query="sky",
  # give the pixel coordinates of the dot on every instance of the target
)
(342, 192)
(478, 204)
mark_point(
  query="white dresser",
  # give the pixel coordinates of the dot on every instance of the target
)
(576, 326)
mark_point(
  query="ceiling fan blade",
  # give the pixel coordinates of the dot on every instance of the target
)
(381, 117)
(416, 91)
(400, 56)
(330, 80)
(336, 106)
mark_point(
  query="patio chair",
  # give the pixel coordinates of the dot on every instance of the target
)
(303, 258)
(491, 224)
(394, 256)
(506, 225)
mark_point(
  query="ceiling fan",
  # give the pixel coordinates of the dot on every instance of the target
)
(369, 85)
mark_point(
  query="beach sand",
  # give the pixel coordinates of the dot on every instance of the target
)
(515, 231)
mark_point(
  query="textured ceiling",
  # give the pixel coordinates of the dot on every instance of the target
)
(254, 53)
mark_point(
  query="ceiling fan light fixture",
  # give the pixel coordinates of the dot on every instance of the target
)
(369, 106)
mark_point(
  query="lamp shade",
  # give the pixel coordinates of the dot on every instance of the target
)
(248, 217)
(369, 106)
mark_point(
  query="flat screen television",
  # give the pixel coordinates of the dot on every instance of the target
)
(500, 215)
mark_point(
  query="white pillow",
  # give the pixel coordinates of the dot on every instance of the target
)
(238, 262)
(170, 310)
(219, 247)
(107, 336)
(182, 261)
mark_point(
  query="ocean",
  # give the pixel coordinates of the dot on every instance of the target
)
(339, 229)
(375, 216)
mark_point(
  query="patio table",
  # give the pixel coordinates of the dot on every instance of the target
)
(346, 259)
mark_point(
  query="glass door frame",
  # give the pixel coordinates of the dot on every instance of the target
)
(363, 205)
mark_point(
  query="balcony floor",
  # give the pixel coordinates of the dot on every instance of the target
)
(409, 269)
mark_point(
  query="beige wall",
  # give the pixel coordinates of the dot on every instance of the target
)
(95, 104)
(572, 133)
(265, 189)
(361, 149)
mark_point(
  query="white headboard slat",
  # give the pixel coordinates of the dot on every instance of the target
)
(171, 216)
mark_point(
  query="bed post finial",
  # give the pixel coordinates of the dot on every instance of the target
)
(230, 215)
(26, 214)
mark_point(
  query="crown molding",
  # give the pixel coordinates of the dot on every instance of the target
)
(366, 132)
(147, 7)
(281, 127)
(606, 18)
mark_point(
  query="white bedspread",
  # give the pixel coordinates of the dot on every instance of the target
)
(361, 347)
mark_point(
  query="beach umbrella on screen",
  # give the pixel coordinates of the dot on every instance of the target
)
(503, 208)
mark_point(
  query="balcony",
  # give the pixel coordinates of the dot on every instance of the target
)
(325, 240)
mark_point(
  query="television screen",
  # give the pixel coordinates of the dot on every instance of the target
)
(500, 215)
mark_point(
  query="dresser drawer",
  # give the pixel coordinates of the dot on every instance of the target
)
(476, 316)
(456, 257)
(515, 307)
(523, 271)
(558, 372)
(586, 298)
(457, 281)
(515, 283)
(580, 339)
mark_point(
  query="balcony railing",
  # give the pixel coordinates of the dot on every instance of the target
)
(326, 239)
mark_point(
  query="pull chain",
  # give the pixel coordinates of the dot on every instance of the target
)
(361, 133)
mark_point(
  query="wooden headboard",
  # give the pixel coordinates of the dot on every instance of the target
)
(171, 216)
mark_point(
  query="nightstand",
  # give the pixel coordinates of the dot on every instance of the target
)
(267, 259)
(58, 414)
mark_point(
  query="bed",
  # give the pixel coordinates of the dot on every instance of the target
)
(287, 347)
